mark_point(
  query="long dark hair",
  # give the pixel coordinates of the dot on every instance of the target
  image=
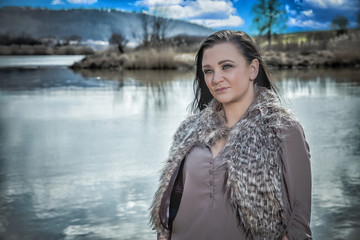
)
(247, 48)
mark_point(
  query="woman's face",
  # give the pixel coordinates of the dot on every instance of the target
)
(227, 74)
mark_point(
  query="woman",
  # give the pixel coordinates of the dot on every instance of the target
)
(240, 167)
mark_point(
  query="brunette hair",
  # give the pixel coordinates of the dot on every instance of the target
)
(247, 48)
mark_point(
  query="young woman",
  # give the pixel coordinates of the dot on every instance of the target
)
(239, 168)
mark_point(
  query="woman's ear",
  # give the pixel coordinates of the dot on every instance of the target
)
(254, 69)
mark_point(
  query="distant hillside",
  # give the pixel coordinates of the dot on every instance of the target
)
(86, 23)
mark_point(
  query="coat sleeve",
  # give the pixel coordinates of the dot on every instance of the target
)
(296, 183)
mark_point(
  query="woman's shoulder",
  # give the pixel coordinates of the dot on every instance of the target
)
(185, 126)
(293, 132)
(287, 125)
(188, 121)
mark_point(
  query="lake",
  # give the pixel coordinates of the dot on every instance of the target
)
(80, 152)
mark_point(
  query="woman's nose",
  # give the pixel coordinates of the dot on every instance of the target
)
(217, 78)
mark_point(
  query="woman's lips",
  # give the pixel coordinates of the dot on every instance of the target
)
(220, 90)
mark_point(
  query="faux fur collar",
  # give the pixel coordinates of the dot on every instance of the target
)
(253, 160)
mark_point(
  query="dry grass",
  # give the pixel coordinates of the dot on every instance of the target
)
(156, 59)
(346, 48)
(313, 49)
(303, 41)
(141, 59)
(298, 50)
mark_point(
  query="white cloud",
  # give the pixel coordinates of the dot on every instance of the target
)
(288, 10)
(211, 13)
(297, 22)
(195, 9)
(326, 3)
(308, 13)
(158, 2)
(57, 2)
(337, 4)
(232, 21)
(82, 1)
(301, 19)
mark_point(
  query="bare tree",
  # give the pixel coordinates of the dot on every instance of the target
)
(145, 27)
(340, 24)
(159, 28)
(155, 27)
(119, 40)
(164, 27)
(269, 15)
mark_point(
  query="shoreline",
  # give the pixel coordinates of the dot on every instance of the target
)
(162, 59)
(35, 50)
(168, 59)
(310, 59)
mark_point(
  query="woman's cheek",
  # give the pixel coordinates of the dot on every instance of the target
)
(208, 84)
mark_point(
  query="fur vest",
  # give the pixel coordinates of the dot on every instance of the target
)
(253, 160)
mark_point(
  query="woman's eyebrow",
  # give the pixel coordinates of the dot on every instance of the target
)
(221, 62)
(228, 60)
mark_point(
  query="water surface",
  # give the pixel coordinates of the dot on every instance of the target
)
(80, 152)
(31, 61)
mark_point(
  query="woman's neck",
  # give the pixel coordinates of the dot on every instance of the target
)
(234, 111)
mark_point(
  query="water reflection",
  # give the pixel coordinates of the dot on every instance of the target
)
(13, 79)
(318, 83)
(80, 151)
(153, 86)
(107, 75)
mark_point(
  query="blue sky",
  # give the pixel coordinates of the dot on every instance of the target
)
(303, 15)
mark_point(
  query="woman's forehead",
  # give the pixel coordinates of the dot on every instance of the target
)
(220, 52)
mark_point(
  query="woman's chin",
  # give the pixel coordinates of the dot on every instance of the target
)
(223, 100)
(223, 97)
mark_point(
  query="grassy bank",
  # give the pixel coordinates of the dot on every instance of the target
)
(313, 49)
(140, 59)
(296, 50)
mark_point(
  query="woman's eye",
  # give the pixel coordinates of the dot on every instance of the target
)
(207, 71)
(226, 66)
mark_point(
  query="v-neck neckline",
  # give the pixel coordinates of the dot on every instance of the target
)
(219, 153)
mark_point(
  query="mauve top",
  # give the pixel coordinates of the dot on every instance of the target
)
(205, 212)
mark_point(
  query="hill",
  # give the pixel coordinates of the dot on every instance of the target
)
(89, 24)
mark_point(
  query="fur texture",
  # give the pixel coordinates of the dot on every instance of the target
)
(253, 160)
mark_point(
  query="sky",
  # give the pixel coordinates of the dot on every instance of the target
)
(302, 15)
